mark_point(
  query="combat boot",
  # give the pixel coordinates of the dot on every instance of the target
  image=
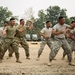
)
(49, 64)
(18, 61)
(28, 58)
(71, 64)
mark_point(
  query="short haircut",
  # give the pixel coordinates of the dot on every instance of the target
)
(21, 20)
(47, 22)
(12, 19)
(72, 22)
(61, 17)
(6, 22)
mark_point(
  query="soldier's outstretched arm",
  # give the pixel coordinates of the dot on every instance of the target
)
(18, 28)
(31, 26)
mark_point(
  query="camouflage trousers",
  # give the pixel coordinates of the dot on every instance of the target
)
(44, 42)
(72, 45)
(6, 44)
(10, 50)
(56, 46)
(24, 44)
(1, 47)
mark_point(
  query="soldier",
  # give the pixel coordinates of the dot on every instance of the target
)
(5, 24)
(1, 46)
(20, 36)
(60, 41)
(70, 41)
(3, 37)
(46, 34)
(10, 32)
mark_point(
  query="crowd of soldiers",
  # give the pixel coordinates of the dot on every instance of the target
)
(12, 36)
(64, 36)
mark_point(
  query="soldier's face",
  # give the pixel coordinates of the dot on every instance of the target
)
(12, 22)
(48, 24)
(73, 24)
(22, 22)
(5, 24)
(62, 21)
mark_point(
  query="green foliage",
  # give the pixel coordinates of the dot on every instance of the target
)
(39, 22)
(72, 18)
(5, 14)
(52, 13)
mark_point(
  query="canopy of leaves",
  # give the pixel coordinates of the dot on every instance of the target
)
(5, 14)
(52, 13)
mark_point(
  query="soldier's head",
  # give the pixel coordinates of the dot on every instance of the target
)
(12, 21)
(6, 23)
(22, 22)
(73, 24)
(48, 23)
(61, 20)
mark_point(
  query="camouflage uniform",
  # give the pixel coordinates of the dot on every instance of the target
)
(47, 32)
(60, 41)
(1, 44)
(10, 50)
(71, 43)
(20, 37)
(10, 41)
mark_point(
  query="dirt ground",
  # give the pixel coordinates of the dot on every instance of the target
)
(33, 67)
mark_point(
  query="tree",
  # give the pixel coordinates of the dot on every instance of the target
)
(5, 14)
(54, 12)
(39, 22)
(28, 14)
(72, 18)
